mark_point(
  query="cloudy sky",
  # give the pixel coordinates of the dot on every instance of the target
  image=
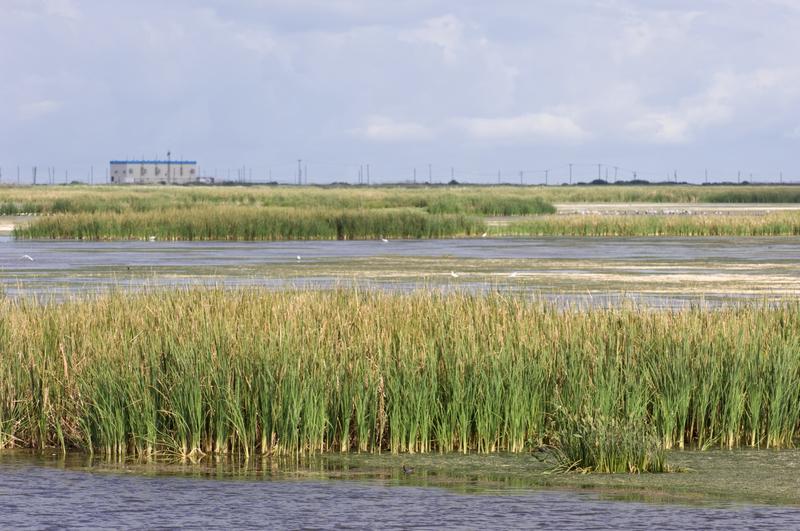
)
(465, 86)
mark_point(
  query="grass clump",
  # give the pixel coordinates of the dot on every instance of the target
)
(254, 372)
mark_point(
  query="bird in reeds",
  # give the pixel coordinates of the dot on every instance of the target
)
(408, 469)
(513, 274)
(26, 257)
(151, 238)
(484, 234)
(298, 257)
(453, 274)
(384, 240)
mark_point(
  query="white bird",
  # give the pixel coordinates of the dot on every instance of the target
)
(384, 240)
(453, 274)
(512, 275)
(298, 257)
(26, 257)
(152, 238)
(484, 234)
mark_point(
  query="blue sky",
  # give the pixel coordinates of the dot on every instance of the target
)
(469, 87)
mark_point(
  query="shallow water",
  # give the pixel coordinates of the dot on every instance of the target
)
(34, 495)
(601, 271)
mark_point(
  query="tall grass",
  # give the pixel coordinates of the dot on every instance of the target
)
(437, 200)
(253, 223)
(257, 372)
(773, 224)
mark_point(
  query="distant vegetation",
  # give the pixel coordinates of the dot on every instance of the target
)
(226, 222)
(264, 213)
(672, 194)
(343, 212)
(258, 372)
(774, 224)
(436, 200)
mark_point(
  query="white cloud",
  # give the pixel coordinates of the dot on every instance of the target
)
(385, 129)
(532, 126)
(725, 100)
(37, 109)
(445, 32)
(62, 8)
(259, 42)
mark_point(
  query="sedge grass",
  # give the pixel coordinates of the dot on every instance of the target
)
(253, 223)
(481, 201)
(192, 372)
(773, 224)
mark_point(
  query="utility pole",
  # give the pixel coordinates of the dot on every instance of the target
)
(739, 177)
(781, 177)
(599, 166)
(367, 174)
(675, 173)
(299, 171)
(616, 169)
(415, 175)
(430, 173)
(169, 167)
(91, 174)
(34, 175)
(706, 175)
(570, 173)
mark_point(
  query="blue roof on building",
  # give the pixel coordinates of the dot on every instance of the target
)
(153, 162)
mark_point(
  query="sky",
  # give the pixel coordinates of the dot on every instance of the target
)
(481, 91)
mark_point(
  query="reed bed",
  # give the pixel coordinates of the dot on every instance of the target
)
(209, 371)
(253, 223)
(773, 224)
(672, 194)
(483, 201)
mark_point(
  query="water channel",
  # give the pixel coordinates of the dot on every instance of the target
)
(653, 271)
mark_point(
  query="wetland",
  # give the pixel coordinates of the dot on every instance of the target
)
(513, 374)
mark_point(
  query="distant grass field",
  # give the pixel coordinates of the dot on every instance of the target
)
(189, 372)
(592, 225)
(227, 222)
(286, 213)
(482, 201)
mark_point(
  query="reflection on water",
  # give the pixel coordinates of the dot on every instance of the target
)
(596, 271)
(35, 495)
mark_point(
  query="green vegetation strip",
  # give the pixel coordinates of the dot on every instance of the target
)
(480, 201)
(256, 372)
(253, 223)
(773, 224)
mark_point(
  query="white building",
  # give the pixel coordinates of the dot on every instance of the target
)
(153, 171)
